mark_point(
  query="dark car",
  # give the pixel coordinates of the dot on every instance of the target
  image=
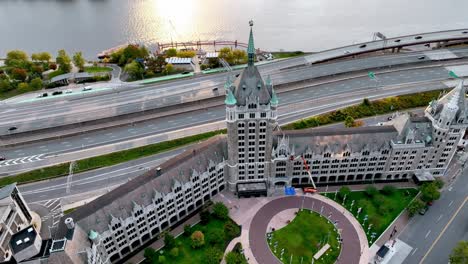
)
(421, 58)
(45, 94)
(2, 158)
(465, 32)
(186, 72)
(57, 93)
(424, 210)
(398, 40)
(418, 37)
(12, 128)
(363, 46)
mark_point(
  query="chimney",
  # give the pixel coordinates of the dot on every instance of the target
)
(69, 223)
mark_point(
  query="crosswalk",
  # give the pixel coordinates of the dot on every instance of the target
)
(56, 211)
(22, 160)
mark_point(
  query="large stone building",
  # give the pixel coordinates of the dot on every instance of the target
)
(253, 159)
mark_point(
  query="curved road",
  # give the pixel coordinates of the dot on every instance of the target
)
(350, 250)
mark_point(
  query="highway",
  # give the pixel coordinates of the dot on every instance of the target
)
(433, 235)
(60, 111)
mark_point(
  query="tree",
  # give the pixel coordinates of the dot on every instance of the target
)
(239, 56)
(79, 61)
(349, 121)
(371, 191)
(439, 183)
(459, 253)
(162, 259)
(215, 237)
(23, 87)
(35, 57)
(19, 74)
(187, 230)
(205, 217)
(366, 102)
(213, 256)
(150, 255)
(36, 84)
(415, 206)
(344, 191)
(169, 241)
(44, 56)
(231, 230)
(168, 69)
(234, 258)
(220, 211)
(226, 54)
(429, 192)
(134, 70)
(186, 54)
(388, 190)
(174, 252)
(63, 60)
(198, 239)
(156, 64)
(171, 52)
(16, 58)
(53, 66)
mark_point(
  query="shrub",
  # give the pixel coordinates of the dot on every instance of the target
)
(174, 252)
(187, 230)
(237, 247)
(213, 256)
(429, 192)
(162, 259)
(231, 230)
(23, 86)
(415, 206)
(19, 74)
(169, 241)
(371, 191)
(388, 190)
(344, 191)
(36, 84)
(220, 211)
(234, 258)
(53, 66)
(215, 237)
(198, 239)
(439, 183)
(205, 217)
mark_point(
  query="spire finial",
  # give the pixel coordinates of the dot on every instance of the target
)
(251, 47)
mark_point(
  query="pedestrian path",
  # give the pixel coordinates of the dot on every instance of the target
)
(56, 212)
(22, 160)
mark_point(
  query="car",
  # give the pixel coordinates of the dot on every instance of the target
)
(418, 37)
(2, 158)
(215, 89)
(346, 52)
(309, 190)
(421, 57)
(68, 91)
(424, 210)
(389, 118)
(397, 40)
(87, 88)
(45, 94)
(57, 92)
(237, 75)
(430, 203)
(363, 46)
(12, 128)
(465, 32)
(186, 72)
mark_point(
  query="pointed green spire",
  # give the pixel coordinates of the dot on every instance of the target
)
(230, 99)
(274, 100)
(268, 80)
(251, 47)
(228, 83)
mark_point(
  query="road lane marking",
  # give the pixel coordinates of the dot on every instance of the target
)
(451, 202)
(414, 251)
(438, 219)
(443, 230)
(427, 234)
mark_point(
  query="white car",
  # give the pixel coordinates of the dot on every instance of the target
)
(347, 52)
(87, 88)
(68, 91)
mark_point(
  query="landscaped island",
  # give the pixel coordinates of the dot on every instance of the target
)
(301, 239)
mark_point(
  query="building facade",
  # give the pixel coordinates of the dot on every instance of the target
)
(255, 158)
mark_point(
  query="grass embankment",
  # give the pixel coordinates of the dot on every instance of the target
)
(381, 207)
(286, 54)
(367, 108)
(55, 73)
(94, 69)
(105, 160)
(304, 237)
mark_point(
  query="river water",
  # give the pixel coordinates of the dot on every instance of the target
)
(310, 25)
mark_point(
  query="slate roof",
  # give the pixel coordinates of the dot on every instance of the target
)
(6, 190)
(372, 138)
(120, 202)
(250, 86)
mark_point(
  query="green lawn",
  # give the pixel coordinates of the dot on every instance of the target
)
(381, 209)
(94, 69)
(55, 73)
(188, 255)
(303, 238)
(287, 54)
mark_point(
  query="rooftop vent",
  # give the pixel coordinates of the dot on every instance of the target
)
(26, 240)
(30, 230)
(19, 242)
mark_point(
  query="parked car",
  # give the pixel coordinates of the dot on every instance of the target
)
(87, 88)
(430, 203)
(12, 128)
(68, 91)
(421, 57)
(389, 118)
(2, 158)
(309, 190)
(424, 210)
(57, 92)
(347, 52)
(186, 72)
(363, 46)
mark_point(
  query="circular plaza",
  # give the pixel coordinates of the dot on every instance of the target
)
(264, 245)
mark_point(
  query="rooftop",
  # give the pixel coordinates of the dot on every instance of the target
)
(23, 239)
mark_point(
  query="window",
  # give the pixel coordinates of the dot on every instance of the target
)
(263, 114)
(252, 115)
(241, 116)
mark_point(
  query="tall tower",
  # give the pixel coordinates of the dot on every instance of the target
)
(251, 117)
